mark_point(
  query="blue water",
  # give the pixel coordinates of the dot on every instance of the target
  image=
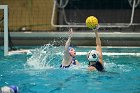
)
(39, 72)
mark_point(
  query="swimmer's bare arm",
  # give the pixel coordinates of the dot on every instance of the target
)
(98, 46)
(66, 51)
(77, 63)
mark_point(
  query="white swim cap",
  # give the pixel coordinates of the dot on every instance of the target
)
(93, 56)
(6, 89)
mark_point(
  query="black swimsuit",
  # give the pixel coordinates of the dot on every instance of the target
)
(73, 62)
(98, 66)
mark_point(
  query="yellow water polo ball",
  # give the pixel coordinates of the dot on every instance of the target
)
(91, 22)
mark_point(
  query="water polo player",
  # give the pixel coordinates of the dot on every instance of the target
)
(95, 56)
(9, 89)
(69, 54)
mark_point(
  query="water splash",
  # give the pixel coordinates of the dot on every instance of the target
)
(116, 67)
(44, 57)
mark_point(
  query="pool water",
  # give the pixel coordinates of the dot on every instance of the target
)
(39, 72)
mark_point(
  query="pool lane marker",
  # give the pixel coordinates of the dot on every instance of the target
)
(111, 54)
(107, 54)
(79, 53)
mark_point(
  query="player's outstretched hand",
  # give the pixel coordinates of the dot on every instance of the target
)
(70, 32)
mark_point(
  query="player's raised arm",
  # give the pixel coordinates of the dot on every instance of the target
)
(94, 56)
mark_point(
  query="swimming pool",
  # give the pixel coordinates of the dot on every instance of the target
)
(39, 72)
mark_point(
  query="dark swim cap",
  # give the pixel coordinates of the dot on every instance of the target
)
(14, 89)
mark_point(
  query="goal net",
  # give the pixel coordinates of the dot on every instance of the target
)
(110, 13)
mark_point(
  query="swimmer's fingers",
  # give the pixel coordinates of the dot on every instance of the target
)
(96, 27)
(70, 32)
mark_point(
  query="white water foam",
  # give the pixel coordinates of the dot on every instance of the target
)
(116, 67)
(41, 57)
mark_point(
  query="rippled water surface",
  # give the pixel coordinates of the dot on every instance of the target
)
(39, 71)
